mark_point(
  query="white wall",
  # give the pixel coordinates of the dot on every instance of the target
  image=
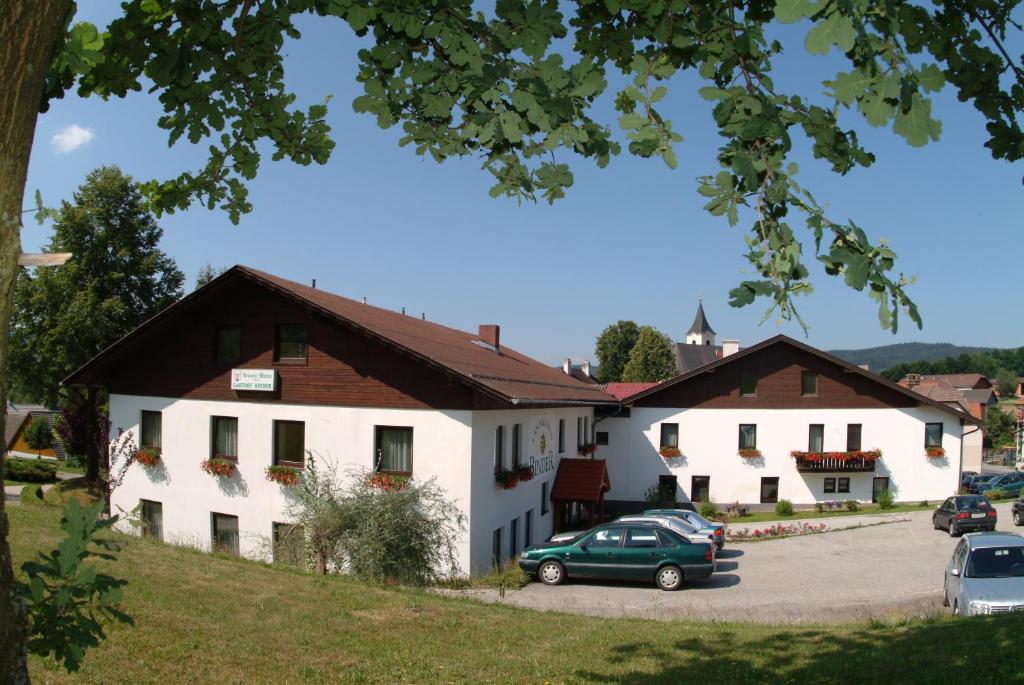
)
(343, 436)
(708, 439)
(973, 452)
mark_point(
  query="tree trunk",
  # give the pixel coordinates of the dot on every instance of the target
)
(94, 461)
(28, 32)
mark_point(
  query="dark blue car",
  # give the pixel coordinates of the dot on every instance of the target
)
(1010, 483)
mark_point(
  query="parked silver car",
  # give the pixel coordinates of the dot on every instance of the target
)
(985, 574)
(684, 528)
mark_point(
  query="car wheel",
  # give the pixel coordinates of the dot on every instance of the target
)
(1016, 518)
(956, 608)
(945, 595)
(551, 573)
(669, 578)
(953, 530)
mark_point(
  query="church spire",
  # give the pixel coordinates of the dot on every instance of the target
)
(701, 332)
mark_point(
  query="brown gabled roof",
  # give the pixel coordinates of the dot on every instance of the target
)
(959, 380)
(581, 480)
(786, 340)
(505, 373)
(935, 388)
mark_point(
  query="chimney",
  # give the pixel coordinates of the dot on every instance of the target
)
(913, 380)
(490, 334)
(586, 367)
(730, 347)
(866, 367)
(567, 366)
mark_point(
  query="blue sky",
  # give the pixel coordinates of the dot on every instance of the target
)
(629, 241)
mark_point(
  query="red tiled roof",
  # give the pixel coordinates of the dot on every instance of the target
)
(581, 480)
(621, 391)
(936, 388)
(959, 380)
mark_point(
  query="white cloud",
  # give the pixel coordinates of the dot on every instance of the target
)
(70, 138)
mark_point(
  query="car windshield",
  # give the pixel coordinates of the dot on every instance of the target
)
(996, 562)
(697, 519)
(978, 502)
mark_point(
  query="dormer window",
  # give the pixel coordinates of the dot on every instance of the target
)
(748, 383)
(228, 344)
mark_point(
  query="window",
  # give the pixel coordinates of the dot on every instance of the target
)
(602, 438)
(668, 488)
(879, 486)
(769, 490)
(228, 344)
(561, 436)
(225, 533)
(289, 443)
(292, 342)
(579, 432)
(748, 383)
(700, 488)
(586, 430)
(515, 446)
(608, 537)
(670, 435)
(642, 537)
(152, 518)
(830, 485)
(748, 436)
(844, 485)
(808, 383)
(289, 541)
(543, 498)
(853, 437)
(933, 435)
(393, 449)
(150, 429)
(528, 528)
(224, 434)
(816, 438)
(499, 449)
(496, 548)
(513, 537)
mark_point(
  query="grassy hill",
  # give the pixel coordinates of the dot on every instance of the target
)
(884, 356)
(212, 619)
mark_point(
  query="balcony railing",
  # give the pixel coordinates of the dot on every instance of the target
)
(835, 462)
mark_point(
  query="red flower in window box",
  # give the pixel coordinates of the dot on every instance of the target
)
(525, 472)
(749, 452)
(868, 455)
(935, 451)
(588, 449)
(147, 456)
(220, 468)
(507, 480)
(387, 481)
(285, 475)
(670, 452)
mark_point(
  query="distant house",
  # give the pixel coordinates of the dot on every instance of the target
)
(16, 422)
(581, 371)
(975, 400)
(963, 381)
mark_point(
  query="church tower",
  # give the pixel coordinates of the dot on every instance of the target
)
(700, 333)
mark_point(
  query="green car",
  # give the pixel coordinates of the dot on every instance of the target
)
(634, 551)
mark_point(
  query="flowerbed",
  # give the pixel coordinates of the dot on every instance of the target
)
(284, 475)
(669, 452)
(220, 468)
(388, 482)
(147, 456)
(749, 452)
(778, 530)
(934, 451)
(856, 455)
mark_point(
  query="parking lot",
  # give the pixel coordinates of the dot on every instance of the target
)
(882, 571)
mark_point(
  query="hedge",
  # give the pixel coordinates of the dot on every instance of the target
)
(30, 471)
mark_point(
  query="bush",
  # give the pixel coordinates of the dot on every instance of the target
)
(31, 494)
(508, 575)
(923, 503)
(784, 507)
(39, 435)
(996, 494)
(886, 500)
(852, 505)
(30, 471)
(819, 507)
(708, 510)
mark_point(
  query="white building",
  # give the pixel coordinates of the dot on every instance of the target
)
(256, 371)
(774, 398)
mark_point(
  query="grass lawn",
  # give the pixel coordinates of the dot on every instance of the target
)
(210, 619)
(865, 510)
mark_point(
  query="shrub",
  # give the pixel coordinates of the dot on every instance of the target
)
(852, 505)
(784, 507)
(819, 507)
(923, 503)
(508, 575)
(708, 510)
(30, 471)
(886, 500)
(39, 435)
(996, 494)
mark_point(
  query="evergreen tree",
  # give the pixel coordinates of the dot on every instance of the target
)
(651, 359)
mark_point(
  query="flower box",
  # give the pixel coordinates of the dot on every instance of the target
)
(507, 479)
(855, 455)
(147, 456)
(934, 451)
(588, 449)
(220, 468)
(284, 475)
(670, 452)
(749, 452)
(388, 482)
(525, 472)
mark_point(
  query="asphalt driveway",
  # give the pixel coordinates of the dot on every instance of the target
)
(883, 571)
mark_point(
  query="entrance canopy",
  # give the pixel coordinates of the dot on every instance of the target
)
(579, 482)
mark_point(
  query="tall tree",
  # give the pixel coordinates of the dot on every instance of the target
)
(999, 427)
(1006, 381)
(207, 273)
(612, 348)
(499, 86)
(65, 315)
(651, 359)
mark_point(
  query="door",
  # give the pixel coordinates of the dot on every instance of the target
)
(597, 555)
(700, 488)
(640, 554)
(878, 486)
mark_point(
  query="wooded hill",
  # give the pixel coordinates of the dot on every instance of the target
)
(886, 356)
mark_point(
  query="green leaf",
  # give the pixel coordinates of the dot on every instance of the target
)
(917, 125)
(875, 109)
(713, 93)
(835, 29)
(789, 11)
(849, 86)
(931, 78)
